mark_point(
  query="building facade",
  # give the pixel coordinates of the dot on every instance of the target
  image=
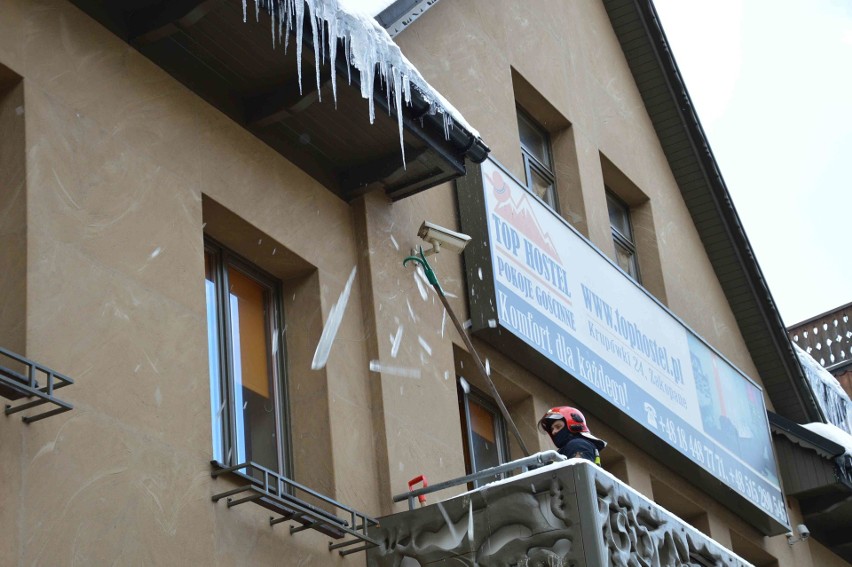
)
(213, 252)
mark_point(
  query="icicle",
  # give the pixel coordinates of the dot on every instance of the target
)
(397, 98)
(300, 22)
(348, 47)
(332, 54)
(369, 49)
(315, 20)
(335, 316)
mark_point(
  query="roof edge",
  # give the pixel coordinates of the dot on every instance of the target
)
(682, 103)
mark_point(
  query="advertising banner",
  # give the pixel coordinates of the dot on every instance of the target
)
(565, 299)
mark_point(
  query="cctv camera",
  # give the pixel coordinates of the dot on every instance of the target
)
(804, 532)
(440, 237)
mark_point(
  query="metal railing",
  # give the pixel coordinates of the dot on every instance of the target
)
(536, 460)
(280, 495)
(15, 385)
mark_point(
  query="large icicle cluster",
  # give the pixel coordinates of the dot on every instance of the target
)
(368, 48)
(832, 398)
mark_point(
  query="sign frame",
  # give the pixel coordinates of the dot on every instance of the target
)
(482, 289)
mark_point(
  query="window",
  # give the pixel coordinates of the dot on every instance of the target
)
(538, 161)
(247, 387)
(483, 430)
(622, 235)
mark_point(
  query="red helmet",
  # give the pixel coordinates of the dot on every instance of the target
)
(574, 419)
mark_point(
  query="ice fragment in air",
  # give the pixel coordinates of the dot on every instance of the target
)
(420, 288)
(425, 345)
(395, 342)
(376, 366)
(335, 316)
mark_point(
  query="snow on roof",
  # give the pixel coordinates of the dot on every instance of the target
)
(368, 47)
(832, 433)
(371, 7)
(830, 395)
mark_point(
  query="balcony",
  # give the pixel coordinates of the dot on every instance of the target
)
(23, 378)
(567, 513)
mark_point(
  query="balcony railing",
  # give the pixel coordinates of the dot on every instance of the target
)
(567, 513)
(286, 498)
(21, 378)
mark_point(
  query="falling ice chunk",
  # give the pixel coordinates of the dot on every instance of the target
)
(395, 342)
(335, 316)
(425, 345)
(468, 324)
(156, 252)
(394, 242)
(443, 322)
(376, 366)
(480, 273)
(487, 367)
(411, 311)
(464, 385)
(492, 323)
(451, 295)
(420, 287)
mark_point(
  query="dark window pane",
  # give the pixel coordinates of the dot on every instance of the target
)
(533, 140)
(619, 216)
(484, 438)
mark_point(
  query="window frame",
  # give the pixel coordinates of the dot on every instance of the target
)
(534, 165)
(501, 440)
(628, 242)
(274, 323)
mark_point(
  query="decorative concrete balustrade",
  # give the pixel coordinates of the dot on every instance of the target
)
(566, 514)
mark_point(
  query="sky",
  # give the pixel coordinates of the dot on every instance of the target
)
(772, 84)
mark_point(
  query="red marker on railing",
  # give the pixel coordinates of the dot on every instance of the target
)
(418, 479)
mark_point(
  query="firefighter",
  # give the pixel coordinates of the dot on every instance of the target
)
(567, 428)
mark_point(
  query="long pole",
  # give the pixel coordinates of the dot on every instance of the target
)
(430, 275)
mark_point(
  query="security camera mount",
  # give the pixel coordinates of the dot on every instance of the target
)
(804, 533)
(439, 237)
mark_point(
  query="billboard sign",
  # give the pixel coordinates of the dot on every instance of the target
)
(553, 290)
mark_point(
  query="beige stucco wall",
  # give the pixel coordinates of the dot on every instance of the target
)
(118, 156)
(120, 162)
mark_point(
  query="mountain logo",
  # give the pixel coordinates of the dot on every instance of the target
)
(520, 214)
